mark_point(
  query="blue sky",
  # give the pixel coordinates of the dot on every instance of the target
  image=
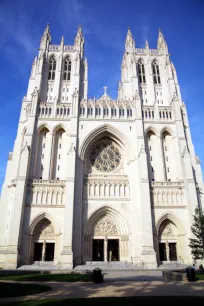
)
(105, 24)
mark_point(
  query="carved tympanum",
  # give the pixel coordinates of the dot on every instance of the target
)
(105, 227)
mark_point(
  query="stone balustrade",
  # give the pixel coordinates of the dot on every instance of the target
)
(46, 192)
(106, 189)
(167, 194)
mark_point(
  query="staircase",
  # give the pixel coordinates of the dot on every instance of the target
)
(40, 265)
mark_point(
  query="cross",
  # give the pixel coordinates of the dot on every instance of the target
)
(105, 88)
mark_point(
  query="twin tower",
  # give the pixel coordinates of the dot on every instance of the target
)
(98, 180)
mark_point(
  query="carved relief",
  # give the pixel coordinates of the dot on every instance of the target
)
(105, 227)
(44, 230)
(168, 230)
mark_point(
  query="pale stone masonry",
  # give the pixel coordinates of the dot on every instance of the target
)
(100, 179)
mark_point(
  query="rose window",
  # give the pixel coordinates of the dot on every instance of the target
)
(105, 157)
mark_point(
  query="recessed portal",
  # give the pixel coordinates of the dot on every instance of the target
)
(162, 251)
(38, 251)
(172, 252)
(98, 250)
(49, 252)
(113, 250)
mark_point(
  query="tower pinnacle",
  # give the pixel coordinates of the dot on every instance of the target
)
(161, 43)
(46, 37)
(129, 42)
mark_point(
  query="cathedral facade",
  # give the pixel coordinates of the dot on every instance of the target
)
(100, 179)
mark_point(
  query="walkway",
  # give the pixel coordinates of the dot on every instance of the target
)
(114, 289)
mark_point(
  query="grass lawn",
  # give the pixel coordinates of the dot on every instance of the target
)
(12, 289)
(49, 277)
(126, 301)
(200, 276)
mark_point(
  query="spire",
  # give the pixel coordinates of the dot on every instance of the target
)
(146, 45)
(62, 40)
(161, 43)
(79, 39)
(46, 38)
(129, 43)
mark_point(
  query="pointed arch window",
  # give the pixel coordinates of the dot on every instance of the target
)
(67, 69)
(129, 112)
(105, 111)
(121, 112)
(156, 74)
(90, 111)
(113, 112)
(141, 71)
(98, 111)
(82, 111)
(52, 68)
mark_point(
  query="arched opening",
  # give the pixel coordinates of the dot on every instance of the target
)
(52, 68)
(152, 159)
(104, 154)
(168, 156)
(42, 157)
(59, 155)
(169, 241)
(156, 73)
(43, 241)
(106, 236)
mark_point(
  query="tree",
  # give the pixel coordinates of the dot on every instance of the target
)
(197, 243)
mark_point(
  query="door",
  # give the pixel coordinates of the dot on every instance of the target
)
(38, 251)
(162, 251)
(50, 250)
(98, 250)
(172, 252)
(113, 250)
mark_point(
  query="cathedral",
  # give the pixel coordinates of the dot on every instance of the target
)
(100, 180)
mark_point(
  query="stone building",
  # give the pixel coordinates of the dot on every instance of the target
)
(100, 179)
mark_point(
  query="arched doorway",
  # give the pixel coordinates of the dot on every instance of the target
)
(106, 236)
(43, 241)
(169, 242)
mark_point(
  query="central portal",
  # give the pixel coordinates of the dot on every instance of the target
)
(105, 249)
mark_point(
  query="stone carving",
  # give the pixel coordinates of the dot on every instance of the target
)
(105, 227)
(167, 230)
(105, 156)
(45, 230)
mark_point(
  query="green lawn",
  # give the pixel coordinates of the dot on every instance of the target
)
(126, 301)
(12, 289)
(200, 276)
(49, 277)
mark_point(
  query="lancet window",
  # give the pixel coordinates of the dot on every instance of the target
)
(156, 74)
(141, 71)
(67, 69)
(52, 68)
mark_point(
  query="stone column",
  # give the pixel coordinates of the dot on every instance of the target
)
(44, 250)
(167, 251)
(105, 248)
